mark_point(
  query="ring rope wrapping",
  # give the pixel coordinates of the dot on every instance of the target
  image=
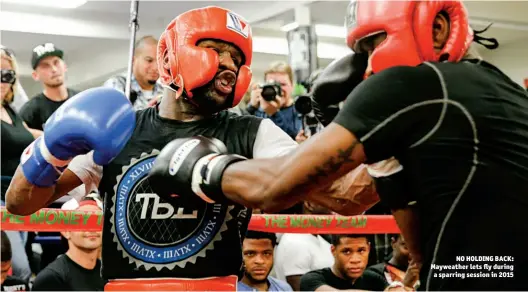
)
(57, 220)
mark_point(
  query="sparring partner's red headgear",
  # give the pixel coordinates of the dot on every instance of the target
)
(184, 65)
(409, 28)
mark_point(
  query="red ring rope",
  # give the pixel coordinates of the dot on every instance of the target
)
(56, 220)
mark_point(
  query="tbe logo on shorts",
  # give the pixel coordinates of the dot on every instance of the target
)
(156, 234)
(235, 24)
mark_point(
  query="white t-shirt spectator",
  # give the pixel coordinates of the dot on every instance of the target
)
(298, 254)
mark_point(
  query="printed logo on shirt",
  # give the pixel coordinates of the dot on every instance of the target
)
(20, 287)
(237, 25)
(155, 234)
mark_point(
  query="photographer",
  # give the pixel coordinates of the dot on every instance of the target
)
(303, 105)
(274, 100)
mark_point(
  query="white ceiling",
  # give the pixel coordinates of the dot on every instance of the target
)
(95, 36)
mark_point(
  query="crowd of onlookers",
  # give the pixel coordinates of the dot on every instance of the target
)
(272, 262)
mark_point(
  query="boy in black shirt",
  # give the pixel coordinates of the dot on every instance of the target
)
(8, 282)
(351, 253)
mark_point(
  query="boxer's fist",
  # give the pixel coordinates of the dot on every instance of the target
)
(191, 166)
(98, 119)
(336, 82)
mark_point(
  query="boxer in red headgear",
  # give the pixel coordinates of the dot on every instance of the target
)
(455, 126)
(189, 62)
(187, 244)
(406, 28)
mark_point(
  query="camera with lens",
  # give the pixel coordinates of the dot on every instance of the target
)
(303, 106)
(270, 90)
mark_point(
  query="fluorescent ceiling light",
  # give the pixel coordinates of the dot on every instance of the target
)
(279, 46)
(290, 26)
(324, 30)
(67, 4)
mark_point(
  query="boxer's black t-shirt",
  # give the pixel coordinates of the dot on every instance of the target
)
(39, 108)
(460, 131)
(143, 236)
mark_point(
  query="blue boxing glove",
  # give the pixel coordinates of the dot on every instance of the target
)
(98, 119)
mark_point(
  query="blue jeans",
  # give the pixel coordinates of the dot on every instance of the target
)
(19, 258)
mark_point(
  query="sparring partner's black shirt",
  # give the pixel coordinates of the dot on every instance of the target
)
(145, 237)
(39, 108)
(460, 131)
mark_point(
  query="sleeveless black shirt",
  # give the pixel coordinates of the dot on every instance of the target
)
(145, 237)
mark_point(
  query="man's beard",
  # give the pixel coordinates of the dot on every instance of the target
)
(151, 82)
(255, 281)
(54, 85)
(204, 99)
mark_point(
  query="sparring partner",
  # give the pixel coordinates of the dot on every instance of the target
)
(456, 124)
(203, 58)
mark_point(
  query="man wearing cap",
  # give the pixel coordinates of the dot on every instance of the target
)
(79, 268)
(48, 68)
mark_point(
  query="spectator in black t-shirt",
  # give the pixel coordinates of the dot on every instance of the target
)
(48, 68)
(78, 269)
(351, 253)
(9, 283)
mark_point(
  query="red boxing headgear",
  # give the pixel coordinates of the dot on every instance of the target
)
(409, 28)
(183, 64)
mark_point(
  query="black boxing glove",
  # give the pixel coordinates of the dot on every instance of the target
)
(335, 83)
(191, 166)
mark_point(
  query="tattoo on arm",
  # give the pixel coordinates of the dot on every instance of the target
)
(332, 165)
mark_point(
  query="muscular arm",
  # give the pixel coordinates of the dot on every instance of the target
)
(351, 194)
(279, 183)
(23, 198)
(408, 222)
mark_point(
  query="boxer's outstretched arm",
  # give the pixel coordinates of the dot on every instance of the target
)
(23, 198)
(278, 183)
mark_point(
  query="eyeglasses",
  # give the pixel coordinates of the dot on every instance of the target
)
(8, 76)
